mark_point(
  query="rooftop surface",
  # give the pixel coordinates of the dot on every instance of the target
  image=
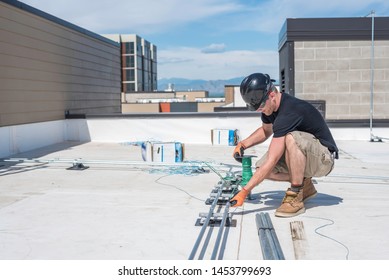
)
(123, 208)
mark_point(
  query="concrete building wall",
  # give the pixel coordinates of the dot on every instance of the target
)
(208, 106)
(233, 96)
(150, 102)
(49, 66)
(330, 60)
(339, 72)
(140, 108)
(202, 107)
(192, 95)
(134, 97)
(229, 94)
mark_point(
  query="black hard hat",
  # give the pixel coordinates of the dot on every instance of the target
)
(254, 89)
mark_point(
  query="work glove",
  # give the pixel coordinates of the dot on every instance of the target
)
(239, 198)
(239, 151)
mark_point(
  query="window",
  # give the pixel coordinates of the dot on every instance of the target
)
(130, 75)
(140, 77)
(129, 61)
(129, 48)
(129, 87)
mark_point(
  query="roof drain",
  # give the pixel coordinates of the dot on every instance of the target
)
(271, 249)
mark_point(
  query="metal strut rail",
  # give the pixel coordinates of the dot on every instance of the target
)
(206, 224)
(79, 162)
(271, 249)
(220, 233)
(113, 162)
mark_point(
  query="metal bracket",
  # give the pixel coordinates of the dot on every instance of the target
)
(221, 200)
(215, 220)
(225, 189)
(78, 166)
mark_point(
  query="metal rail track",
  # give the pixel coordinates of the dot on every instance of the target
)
(271, 249)
(218, 247)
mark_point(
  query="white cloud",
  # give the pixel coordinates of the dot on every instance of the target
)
(145, 17)
(141, 16)
(148, 17)
(214, 48)
(192, 63)
(269, 16)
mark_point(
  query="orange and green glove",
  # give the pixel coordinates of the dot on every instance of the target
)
(239, 198)
(239, 151)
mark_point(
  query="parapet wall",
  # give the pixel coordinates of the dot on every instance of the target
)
(188, 130)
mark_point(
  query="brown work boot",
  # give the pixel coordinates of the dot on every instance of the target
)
(309, 190)
(292, 204)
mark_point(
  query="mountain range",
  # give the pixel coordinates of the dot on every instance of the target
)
(214, 87)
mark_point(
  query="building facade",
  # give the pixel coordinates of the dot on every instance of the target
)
(170, 101)
(50, 68)
(343, 62)
(138, 63)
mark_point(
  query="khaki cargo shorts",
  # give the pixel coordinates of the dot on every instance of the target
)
(320, 161)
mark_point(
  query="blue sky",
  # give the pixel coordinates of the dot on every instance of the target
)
(205, 39)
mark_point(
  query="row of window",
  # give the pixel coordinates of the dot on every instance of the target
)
(129, 48)
(128, 61)
(131, 87)
(139, 71)
(129, 74)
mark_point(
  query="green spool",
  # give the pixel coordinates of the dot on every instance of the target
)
(247, 172)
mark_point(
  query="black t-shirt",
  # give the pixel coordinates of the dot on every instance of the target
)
(295, 114)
